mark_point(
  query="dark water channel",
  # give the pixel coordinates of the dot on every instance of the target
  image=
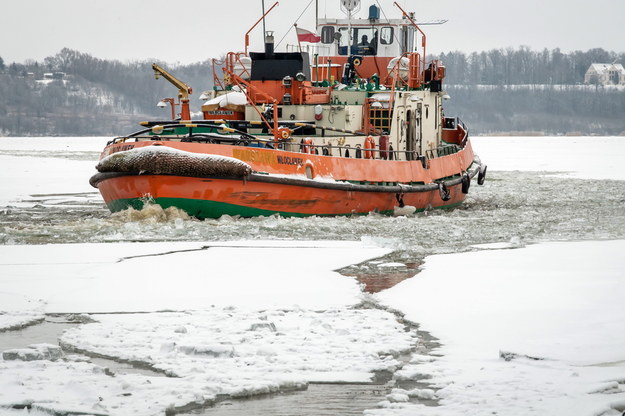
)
(46, 332)
(49, 332)
(319, 399)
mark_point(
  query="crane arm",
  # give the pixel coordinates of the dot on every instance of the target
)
(183, 89)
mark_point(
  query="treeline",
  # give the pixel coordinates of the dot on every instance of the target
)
(88, 95)
(523, 66)
(92, 96)
(521, 90)
(540, 109)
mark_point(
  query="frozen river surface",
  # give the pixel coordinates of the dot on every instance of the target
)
(522, 286)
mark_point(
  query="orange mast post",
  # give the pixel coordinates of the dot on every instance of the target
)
(247, 34)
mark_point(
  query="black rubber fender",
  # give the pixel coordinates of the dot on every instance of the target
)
(400, 200)
(466, 183)
(444, 191)
(481, 176)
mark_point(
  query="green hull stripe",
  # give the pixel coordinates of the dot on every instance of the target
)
(212, 209)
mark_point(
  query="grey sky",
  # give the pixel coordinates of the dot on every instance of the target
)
(192, 30)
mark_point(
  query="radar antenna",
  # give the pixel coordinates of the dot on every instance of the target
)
(349, 7)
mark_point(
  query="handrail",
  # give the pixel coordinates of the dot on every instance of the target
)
(423, 38)
(232, 58)
(415, 77)
(216, 79)
(413, 155)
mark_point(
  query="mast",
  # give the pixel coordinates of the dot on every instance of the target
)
(316, 16)
(349, 7)
(264, 30)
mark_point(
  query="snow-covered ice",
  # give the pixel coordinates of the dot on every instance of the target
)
(46, 165)
(579, 157)
(143, 277)
(523, 329)
(252, 321)
(231, 348)
(220, 351)
(537, 330)
(17, 311)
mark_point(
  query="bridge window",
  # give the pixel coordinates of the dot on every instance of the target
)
(327, 34)
(365, 41)
(386, 35)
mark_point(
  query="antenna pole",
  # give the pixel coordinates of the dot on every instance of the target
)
(264, 30)
(316, 15)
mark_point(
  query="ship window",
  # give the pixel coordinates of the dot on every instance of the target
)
(365, 41)
(327, 34)
(386, 35)
(343, 41)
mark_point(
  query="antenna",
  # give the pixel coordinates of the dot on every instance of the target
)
(350, 7)
(431, 22)
(264, 29)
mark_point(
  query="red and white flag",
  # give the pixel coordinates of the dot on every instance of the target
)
(304, 35)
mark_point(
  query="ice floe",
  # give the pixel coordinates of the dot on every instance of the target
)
(536, 330)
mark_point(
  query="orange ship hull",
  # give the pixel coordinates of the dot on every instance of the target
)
(291, 184)
(214, 197)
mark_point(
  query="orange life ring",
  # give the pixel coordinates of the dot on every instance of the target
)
(307, 146)
(369, 146)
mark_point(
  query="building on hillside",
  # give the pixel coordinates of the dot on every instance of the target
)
(53, 75)
(605, 74)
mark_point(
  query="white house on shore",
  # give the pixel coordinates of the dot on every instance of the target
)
(605, 74)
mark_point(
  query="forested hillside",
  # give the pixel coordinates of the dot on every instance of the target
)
(497, 91)
(539, 109)
(523, 66)
(530, 92)
(95, 96)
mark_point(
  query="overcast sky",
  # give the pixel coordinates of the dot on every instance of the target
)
(188, 31)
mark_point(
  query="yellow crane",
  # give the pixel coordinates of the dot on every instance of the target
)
(183, 90)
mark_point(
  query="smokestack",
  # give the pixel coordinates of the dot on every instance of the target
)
(269, 44)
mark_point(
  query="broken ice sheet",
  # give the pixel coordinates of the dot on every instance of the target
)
(18, 311)
(234, 345)
(81, 385)
(208, 353)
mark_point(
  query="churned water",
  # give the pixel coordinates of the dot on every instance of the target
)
(516, 207)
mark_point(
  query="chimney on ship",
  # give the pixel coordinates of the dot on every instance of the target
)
(269, 44)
